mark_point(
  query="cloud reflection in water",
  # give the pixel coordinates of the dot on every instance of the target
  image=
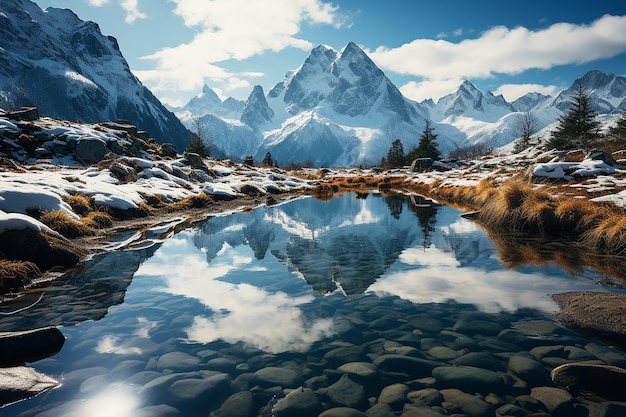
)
(268, 320)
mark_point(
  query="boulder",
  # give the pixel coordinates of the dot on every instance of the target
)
(558, 402)
(471, 405)
(595, 382)
(90, 150)
(298, 403)
(19, 348)
(421, 164)
(24, 114)
(468, 378)
(346, 392)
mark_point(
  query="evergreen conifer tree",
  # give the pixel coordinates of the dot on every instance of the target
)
(395, 156)
(427, 146)
(578, 126)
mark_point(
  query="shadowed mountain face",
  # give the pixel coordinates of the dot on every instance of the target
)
(68, 69)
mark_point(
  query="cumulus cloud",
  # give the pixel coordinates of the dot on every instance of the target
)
(501, 50)
(132, 11)
(97, 3)
(232, 29)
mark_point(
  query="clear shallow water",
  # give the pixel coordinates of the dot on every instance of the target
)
(307, 287)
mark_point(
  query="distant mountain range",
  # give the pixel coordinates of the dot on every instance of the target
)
(66, 67)
(337, 109)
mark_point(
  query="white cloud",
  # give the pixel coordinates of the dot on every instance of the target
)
(512, 92)
(97, 3)
(132, 11)
(502, 50)
(232, 29)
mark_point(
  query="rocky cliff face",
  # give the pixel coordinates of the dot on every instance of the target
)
(68, 69)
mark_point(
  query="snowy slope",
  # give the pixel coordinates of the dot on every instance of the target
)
(68, 69)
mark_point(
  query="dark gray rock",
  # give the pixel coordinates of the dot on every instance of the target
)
(240, 404)
(558, 402)
(443, 353)
(415, 367)
(90, 150)
(471, 405)
(395, 395)
(529, 370)
(196, 393)
(380, 410)
(481, 327)
(468, 378)
(274, 376)
(343, 412)
(298, 403)
(480, 360)
(347, 392)
(364, 370)
(178, 361)
(426, 397)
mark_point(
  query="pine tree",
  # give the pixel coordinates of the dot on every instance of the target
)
(427, 146)
(578, 126)
(268, 161)
(395, 156)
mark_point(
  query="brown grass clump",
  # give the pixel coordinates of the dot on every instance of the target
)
(16, 274)
(98, 220)
(81, 205)
(192, 201)
(62, 223)
(609, 236)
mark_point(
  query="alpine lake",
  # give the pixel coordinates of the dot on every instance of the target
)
(385, 305)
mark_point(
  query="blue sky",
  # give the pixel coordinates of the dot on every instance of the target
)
(427, 48)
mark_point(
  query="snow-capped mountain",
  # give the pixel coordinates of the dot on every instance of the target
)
(607, 91)
(68, 69)
(337, 109)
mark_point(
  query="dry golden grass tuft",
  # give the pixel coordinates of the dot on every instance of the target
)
(98, 220)
(16, 274)
(62, 223)
(81, 205)
(193, 201)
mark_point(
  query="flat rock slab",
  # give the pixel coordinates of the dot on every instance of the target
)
(600, 314)
(595, 382)
(21, 382)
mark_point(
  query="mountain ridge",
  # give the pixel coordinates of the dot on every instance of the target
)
(343, 103)
(68, 69)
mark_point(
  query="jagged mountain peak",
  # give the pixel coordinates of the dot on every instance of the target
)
(256, 111)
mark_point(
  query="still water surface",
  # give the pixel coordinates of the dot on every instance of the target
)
(177, 326)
